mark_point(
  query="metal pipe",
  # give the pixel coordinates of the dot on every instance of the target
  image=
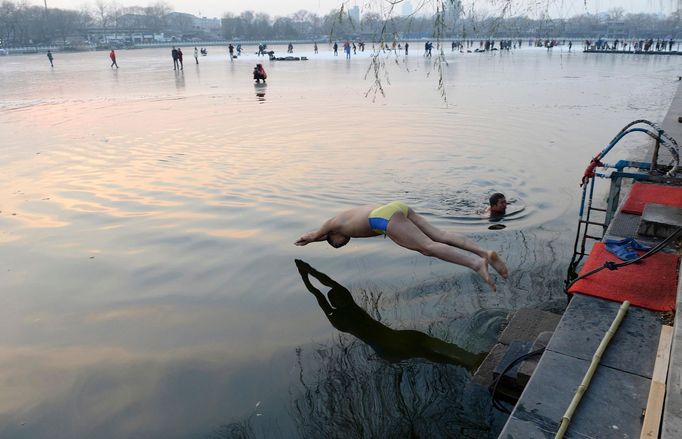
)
(654, 157)
(596, 358)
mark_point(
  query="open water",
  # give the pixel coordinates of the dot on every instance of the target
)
(147, 221)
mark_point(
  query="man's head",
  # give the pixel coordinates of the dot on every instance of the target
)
(498, 204)
(337, 240)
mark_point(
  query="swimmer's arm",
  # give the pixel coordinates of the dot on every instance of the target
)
(319, 234)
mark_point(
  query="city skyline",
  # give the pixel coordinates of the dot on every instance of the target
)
(554, 8)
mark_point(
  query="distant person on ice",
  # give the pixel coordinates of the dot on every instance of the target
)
(50, 57)
(112, 55)
(259, 73)
(180, 58)
(407, 229)
(196, 55)
(174, 54)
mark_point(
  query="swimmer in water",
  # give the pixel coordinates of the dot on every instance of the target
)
(498, 206)
(410, 230)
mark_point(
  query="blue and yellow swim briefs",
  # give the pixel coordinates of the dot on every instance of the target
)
(379, 217)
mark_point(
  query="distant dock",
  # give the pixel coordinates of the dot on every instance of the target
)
(635, 52)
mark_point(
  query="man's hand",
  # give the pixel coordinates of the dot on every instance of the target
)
(305, 239)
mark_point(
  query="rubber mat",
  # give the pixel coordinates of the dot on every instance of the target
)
(649, 284)
(645, 193)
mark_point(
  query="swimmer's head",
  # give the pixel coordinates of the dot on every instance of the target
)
(498, 204)
(337, 240)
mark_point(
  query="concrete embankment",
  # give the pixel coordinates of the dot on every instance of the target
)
(629, 381)
(672, 417)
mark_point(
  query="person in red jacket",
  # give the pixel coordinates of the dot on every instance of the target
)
(112, 55)
(259, 73)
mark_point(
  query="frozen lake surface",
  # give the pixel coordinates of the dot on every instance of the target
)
(147, 221)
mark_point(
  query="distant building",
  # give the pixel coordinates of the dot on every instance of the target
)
(207, 24)
(139, 29)
(181, 21)
(354, 14)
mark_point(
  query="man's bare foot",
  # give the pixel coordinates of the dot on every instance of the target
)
(483, 272)
(497, 264)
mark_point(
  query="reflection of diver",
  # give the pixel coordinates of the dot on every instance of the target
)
(390, 344)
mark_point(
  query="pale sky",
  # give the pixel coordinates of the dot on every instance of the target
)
(216, 8)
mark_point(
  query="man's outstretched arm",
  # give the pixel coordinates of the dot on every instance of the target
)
(319, 234)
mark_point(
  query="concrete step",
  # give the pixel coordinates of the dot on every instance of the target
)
(527, 324)
(517, 339)
(528, 366)
(612, 405)
(660, 220)
(508, 384)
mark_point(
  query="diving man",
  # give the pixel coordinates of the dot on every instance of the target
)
(410, 230)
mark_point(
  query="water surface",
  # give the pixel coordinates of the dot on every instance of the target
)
(147, 221)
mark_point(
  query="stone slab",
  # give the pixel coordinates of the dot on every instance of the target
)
(610, 408)
(484, 375)
(508, 384)
(516, 350)
(660, 220)
(520, 429)
(527, 324)
(528, 367)
(585, 322)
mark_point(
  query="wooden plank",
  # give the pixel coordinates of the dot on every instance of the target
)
(654, 405)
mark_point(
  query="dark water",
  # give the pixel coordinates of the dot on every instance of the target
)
(147, 221)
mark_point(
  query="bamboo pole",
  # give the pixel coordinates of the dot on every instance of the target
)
(596, 358)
